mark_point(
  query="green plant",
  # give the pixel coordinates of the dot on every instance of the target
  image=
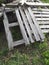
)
(46, 54)
(1, 1)
(35, 61)
(43, 46)
(3, 52)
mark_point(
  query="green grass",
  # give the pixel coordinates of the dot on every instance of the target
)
(25, 55)
(47, 1)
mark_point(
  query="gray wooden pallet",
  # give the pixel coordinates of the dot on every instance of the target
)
(34, 31)
(11, 43)
(42, 17)
(28, 25)
(36, 24)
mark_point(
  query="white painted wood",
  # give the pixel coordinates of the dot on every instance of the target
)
(40, 15)
(26, 25)
(36, 4)
(43, 22)
(40, 12)
(22, 27)
(16, 43)
(44, 26)
(32, 25)
(42, 19)
(40, 9)
(36, 24)
(13, 24)
(45, 30)
(8, 33)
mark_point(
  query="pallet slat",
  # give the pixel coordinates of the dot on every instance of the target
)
(42, 19)
(18, 42)
(13, 24)
(40, 15)
(44, 26)
(8, 33)
(43, 22)
(41, 12)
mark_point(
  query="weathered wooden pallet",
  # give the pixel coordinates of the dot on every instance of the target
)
(28, 25)
(42, 17)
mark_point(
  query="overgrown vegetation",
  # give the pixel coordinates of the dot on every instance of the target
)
(47, 1)
(33, 54)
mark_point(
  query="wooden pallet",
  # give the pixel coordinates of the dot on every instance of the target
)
(29, 27)
(42, 17)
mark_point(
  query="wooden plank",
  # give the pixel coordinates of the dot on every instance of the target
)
(18, 42)
(42, 19)
(13, 24)
(45, 30)
(8, 33)
(44, 26)
(36, 4)
(26, 25)
(29, 3)
(41, 15)
(43, 22)
(40, 12)
(32, 25)
(22, 27)
(36, 24)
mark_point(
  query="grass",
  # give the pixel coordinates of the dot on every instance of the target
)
(47, 1)
(24, 55)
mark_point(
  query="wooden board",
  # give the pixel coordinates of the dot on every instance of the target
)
(40, 12)
(43, 22)
(42, 19)
(8, 33)
(36, 4)
(41, 15)
(44, 26)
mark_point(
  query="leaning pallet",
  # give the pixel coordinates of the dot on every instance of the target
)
(29, 28)
(28, 19)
